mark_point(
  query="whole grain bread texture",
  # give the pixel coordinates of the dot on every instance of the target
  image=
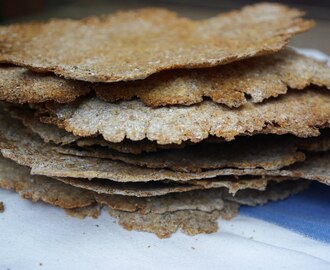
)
(194, 212)
(268, 152)
(251, 80)
(159, 188)
(20, 85)
(192, 222)
(248, 81)
(300, 113)
(141, 42)
(29, 150)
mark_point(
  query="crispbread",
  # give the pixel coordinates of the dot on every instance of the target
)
(18, 178)
(191, 222)
(141, 42)
(29, 150)
(19, 85)
(159, 188)
(194, 212)
(268, 152)
(194, 222)
(301, 113)
(274, 192)
(93, 211)
(127, 146)
(49, 133)
(250, 80)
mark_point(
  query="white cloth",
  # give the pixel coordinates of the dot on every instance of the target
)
(35, 233)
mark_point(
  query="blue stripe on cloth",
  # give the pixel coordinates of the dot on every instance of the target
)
(307, 213)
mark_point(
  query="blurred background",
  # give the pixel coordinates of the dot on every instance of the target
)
(28, 10)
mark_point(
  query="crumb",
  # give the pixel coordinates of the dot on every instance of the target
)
(251, 237)
(97, 225)
(148, 246)
(2, 207)
(192, 248)
(84, 233)
(40, 264)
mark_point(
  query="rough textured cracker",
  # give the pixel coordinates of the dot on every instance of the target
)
(298, 113)
(127, 146)
(19, 85)
(201, 200)
(193, 222)
(252, 152)
(29, 150)
(274, 192)
(141, 42)
(250, 80)
(18, 178)
(49, 133)
(161, 215)
(93, 211)
(159, 188)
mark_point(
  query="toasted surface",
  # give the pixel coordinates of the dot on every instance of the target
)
(49, 133)
(29, 150)
(250, 80)
(193, 222)
(19, 85)
(159, 188)
(299, 113)
(274, 192)
(40, 188)
(141, 42)
(194, 212)
(93, 211)
(268, 152)
(127, 146)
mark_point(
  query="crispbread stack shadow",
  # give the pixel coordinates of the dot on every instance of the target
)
(166, 122)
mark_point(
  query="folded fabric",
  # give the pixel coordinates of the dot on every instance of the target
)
(306, 213)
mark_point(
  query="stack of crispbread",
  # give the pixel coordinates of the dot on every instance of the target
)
(167, 122)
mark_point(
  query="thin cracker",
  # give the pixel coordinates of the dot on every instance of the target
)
(301, 114)
(193, 222)
(29, 150)
(251, 80)
(40, 188)
(141, 42)
(19, 85)
(252, 152)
